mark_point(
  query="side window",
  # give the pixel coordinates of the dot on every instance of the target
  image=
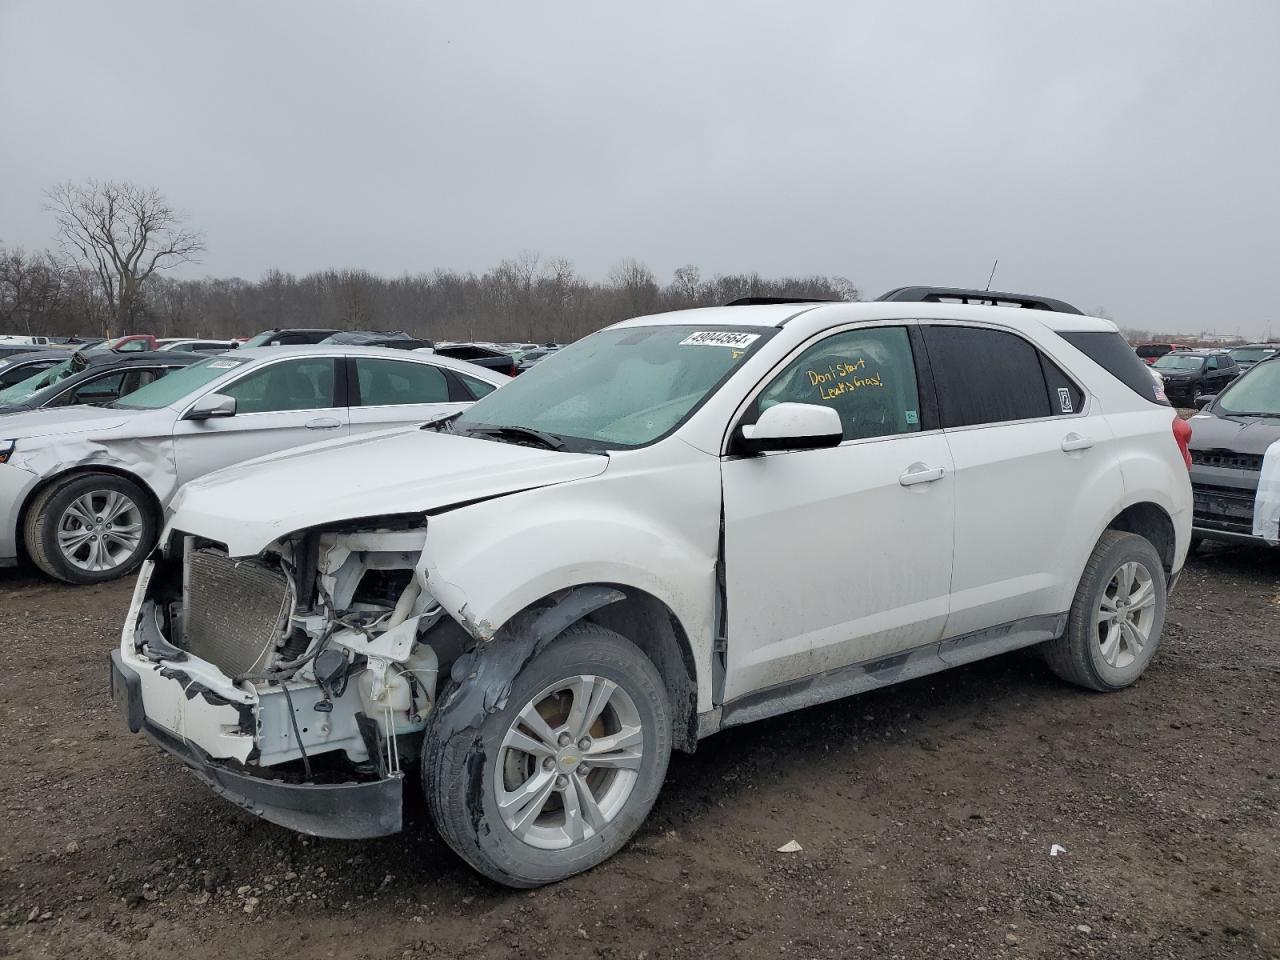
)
(1065, 398)
(478, 388)
(96, 391)
(291, 385)
(867, 376)
(1213, 363)
(986, 376)
(384, 383)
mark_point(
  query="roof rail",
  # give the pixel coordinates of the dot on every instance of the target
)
(758, 301)
(981, 297)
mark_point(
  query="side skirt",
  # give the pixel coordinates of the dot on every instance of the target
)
(873, 674)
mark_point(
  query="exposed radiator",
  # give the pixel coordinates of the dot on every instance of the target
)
(233, 611)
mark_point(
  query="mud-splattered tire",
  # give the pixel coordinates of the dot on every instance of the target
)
(1117, 616)
(90, 528)
(504, 794)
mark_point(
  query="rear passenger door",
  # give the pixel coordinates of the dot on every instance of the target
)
(387, 392)
(1033, 465)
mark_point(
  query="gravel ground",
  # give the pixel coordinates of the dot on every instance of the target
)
(926, 814)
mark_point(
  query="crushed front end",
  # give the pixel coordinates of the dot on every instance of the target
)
(296, 683)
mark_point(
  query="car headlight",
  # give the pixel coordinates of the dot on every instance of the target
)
(6, 449)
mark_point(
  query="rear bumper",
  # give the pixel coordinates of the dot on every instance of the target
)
(346, 811)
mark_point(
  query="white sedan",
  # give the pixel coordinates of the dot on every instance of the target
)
(84, 488)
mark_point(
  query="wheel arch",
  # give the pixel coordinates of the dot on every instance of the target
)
(1152, 522)
(482, 674)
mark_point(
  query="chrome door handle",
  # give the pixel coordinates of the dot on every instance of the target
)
(1073, 441)
(921, 473)
(323, 423)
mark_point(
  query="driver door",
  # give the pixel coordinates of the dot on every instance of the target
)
(841, 555)
(284, 404)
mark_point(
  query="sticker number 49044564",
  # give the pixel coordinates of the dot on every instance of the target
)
(720, 338)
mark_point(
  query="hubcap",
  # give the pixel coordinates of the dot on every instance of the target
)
(1125, 615)
(100, 530)
(569, 762)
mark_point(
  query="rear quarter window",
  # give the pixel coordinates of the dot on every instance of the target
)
(1110, 351)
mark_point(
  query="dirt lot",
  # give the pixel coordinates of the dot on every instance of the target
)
(926, 814)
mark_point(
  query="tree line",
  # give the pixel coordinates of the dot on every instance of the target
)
(117, 240)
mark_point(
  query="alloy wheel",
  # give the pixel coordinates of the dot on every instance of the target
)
(1126, 613)
(569, 762)
(100, 530)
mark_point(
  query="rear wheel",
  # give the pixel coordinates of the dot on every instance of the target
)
(1117, 617)
(561, 777)
(90, 528)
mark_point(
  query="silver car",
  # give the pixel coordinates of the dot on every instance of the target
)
(83, 489)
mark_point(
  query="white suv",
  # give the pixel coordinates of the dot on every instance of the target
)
(682, 523)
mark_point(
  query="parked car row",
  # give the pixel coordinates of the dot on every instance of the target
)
(83, 488)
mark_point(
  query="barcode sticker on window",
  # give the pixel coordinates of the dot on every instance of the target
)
(1064, 399)
(719, 338)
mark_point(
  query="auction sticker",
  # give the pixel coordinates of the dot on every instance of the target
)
(720, 338)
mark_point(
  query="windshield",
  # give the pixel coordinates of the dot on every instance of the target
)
(1179, 361)
(1257, 392)
(172, 388)
(260, 340)
(24, 390)
(1252, 354)
(621, 387)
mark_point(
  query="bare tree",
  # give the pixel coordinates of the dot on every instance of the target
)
(123, 233)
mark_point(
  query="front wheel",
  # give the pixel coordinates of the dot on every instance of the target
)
(561, 777)
(90, 528)
(1117, 616)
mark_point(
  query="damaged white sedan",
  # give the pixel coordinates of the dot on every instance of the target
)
(83, 489)
(679, 524)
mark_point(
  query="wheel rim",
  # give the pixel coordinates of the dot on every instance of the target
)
(1126, 614)
(569, 762)
(99, 530)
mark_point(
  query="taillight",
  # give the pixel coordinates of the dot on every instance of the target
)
(513, 371)
(1182, 434)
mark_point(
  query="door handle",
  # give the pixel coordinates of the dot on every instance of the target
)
(1073, 442)
(323, 423)
(921, 473)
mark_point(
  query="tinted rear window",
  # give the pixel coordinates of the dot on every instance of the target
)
(1148, 350)
(1110, 351)
(986, 376)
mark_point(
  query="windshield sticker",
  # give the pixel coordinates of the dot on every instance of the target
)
(224, 364)
(720, 338)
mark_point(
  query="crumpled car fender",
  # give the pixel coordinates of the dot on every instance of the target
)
(657, 532)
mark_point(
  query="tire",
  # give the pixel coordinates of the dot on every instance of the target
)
(1106, 656)
(464, 773)
(64, 541)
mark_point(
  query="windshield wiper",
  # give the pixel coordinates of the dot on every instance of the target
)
(548, 440)
(1250, 413)
(443, 420)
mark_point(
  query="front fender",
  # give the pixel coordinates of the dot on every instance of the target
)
(656, 530)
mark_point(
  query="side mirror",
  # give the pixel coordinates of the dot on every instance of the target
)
(791, 426)
(1204, 400)
(212, 405)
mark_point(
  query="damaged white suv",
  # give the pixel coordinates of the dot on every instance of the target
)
(679, 524)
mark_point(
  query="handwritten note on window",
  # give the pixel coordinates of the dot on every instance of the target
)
(843, 377)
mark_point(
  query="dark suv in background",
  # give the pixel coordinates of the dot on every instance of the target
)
(1229, 437)
(1189, 374)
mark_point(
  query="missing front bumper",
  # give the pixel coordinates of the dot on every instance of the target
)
(344, 811)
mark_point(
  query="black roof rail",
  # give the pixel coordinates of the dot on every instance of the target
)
(758, 301)
(986, 297)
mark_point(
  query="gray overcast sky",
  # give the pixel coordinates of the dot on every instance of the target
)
(1122, 154)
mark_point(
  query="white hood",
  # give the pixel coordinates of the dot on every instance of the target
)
(250, 505)
(61, 421)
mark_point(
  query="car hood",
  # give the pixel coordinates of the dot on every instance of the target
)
(403, 471)
(61, 420)
(1244, 435)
